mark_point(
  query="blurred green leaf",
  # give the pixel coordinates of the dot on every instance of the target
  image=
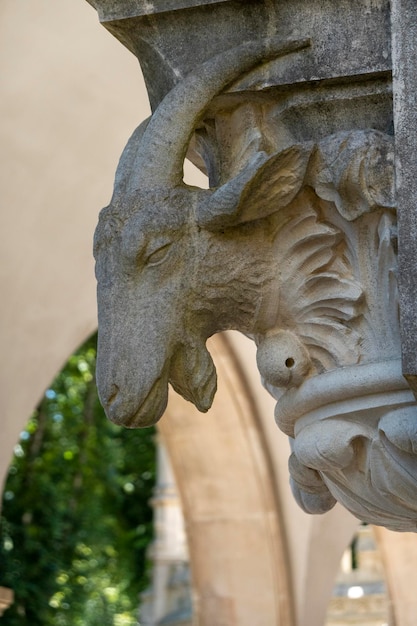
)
(77, 492)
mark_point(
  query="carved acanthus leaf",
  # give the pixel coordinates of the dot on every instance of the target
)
(388, 310)
(371, 254)
(355, 170)
(318, 295)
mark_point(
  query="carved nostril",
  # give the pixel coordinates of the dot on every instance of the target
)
(113, 394)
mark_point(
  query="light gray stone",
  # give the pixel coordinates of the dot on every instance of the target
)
(170, 40)
(404, 35)
(293, 244)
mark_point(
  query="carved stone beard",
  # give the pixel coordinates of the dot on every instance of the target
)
(193, 374)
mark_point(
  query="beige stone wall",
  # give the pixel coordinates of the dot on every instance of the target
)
(70, 96)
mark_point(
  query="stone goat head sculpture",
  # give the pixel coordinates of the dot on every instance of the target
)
(175, 263)
(297, 250)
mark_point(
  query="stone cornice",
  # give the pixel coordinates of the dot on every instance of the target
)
(124, 9)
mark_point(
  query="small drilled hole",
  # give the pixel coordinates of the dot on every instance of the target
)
(289, 362)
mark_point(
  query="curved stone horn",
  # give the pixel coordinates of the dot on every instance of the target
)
(165, 142)
(124, 179)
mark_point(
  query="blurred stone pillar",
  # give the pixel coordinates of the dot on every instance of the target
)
(404, 61)
(6, 599)
(169, 596)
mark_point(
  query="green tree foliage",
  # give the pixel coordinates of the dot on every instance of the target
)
(76, 519)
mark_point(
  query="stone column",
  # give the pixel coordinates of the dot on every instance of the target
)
(169, 594)
(404, 60)
(6, 599)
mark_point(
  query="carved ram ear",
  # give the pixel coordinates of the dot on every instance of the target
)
(265, 185)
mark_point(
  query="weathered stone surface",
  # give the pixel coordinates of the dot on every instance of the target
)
(404, 35)
(294, 243)
(170, 43)
(121, 9)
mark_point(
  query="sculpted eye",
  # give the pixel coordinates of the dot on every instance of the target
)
(158, 256)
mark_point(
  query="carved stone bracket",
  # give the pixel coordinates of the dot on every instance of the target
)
(332, 357)
(294, 243)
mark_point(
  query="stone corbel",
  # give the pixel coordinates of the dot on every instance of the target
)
(293, 244)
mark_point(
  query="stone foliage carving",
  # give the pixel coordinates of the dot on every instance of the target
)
(294, 244)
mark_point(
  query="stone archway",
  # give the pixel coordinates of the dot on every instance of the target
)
(237, 548)
(399, 555)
